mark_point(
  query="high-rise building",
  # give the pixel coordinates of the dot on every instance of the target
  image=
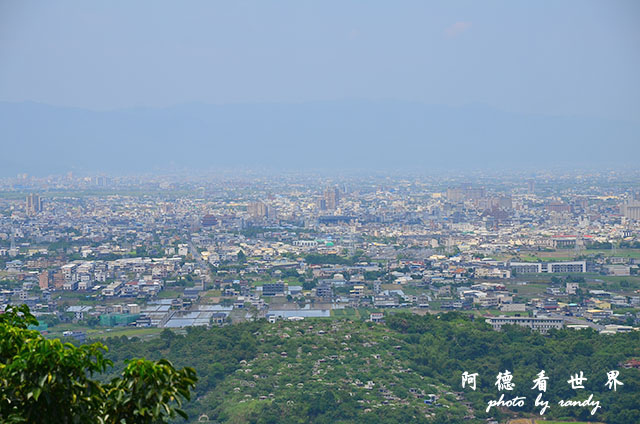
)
(631, 210)
(209, 220)
(45, 279)
(465, 192)
(556, 206)
(258, 210)
(455, 195)
(531, 186)
(101, 181)
(332, 197)
(34, 204)
(272, 212)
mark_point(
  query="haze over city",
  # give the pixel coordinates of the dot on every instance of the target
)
(323, 212)
(158, 86)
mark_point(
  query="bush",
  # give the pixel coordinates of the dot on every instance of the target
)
(47, 381)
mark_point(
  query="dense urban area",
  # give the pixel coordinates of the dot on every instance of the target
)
(336, 267)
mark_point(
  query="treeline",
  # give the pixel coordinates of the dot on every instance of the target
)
(213, 353)
(447, 345)
(438, 348)
(605, 245)
(333, 259)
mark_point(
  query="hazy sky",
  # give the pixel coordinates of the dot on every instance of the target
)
(553, 57)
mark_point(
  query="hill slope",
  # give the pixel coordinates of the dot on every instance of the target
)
(333, 371)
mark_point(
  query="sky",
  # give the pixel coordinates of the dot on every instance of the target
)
(568, 58)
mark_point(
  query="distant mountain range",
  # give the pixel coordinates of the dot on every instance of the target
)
(42, 139)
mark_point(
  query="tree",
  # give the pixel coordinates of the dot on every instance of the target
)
(50, 320)
(308, 285)
(47, 381)
(242, 258)
(93, 321)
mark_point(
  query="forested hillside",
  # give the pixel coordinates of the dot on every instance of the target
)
(408, 370)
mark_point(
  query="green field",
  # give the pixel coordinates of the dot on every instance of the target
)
(143, 333)
(345, 313)
(569, 254)
(619, 253)
(101, 332)
(169, 294)
(56, 331)
(566, 422)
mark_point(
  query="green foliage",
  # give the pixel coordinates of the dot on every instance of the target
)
(309, 285)
(315, 381)
(145, 392)
(604, 245)
(373, 275)
(242, 257)
(288, 273)
(93, 321)
(446, 345)
(319, 259)
(313, 371)
(47, 381)
(59, 245)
